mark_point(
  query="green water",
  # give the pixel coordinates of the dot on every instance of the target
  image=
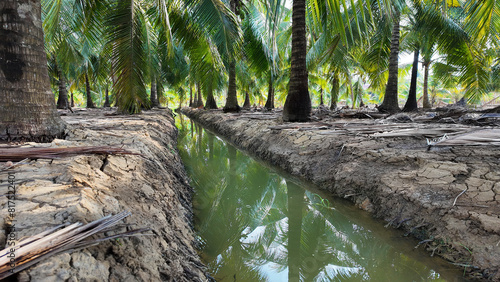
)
(253, 224)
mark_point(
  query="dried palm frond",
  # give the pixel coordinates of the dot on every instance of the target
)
(485, 137)
(18, 154)
(27, 252)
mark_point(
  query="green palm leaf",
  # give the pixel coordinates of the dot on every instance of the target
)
(128, 36)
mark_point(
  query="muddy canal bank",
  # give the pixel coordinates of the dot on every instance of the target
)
(388, 169)
(153, 187)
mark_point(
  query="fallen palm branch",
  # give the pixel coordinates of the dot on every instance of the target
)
(27, 252)
(17, 154)
(489, 137)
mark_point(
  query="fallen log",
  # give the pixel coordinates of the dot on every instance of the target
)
(14, 154)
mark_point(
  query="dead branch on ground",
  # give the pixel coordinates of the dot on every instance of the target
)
(15, 154)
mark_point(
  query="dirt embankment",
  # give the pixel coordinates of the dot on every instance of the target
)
(447, 196)
(153, 187)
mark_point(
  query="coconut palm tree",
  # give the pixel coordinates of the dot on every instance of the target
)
(140, 38)
(266, 39)
(28, 109)
(390, 103)
(425, 17)
(298, 102)
(231, 99)
(61, 43)
(473, 58)
(342, 17)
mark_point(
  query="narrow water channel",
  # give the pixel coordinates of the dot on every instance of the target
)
(253, 224)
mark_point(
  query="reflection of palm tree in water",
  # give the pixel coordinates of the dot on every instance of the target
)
(222, 210)
(210, 145)
(192, 129)
(242, 212)
(295, 195)
(200, 139)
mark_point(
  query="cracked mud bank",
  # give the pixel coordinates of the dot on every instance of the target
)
(153, 187)
(448, 196)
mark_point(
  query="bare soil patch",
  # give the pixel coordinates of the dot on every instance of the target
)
(153, 186)
(435, 175)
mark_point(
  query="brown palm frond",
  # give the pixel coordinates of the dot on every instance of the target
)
(21, 153)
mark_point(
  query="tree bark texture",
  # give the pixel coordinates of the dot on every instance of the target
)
(335, 93)
(351, 91)
(62, 101)
(90, 103)
(195, 98)
(411, 103)
(247, 105)
(154, 94)
(298, 103)
(27, 104)
(231, 99)
(426, 103)
(199, 100)
(390, 104)
(270, 95)
(107, 103)
(190, 96)
(210, 104)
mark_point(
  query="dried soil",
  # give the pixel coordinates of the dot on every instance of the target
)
(386, 166)
(153, 187)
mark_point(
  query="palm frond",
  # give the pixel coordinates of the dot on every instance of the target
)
(127, 36)
(483, 20)
(254, 41)
(219, 22)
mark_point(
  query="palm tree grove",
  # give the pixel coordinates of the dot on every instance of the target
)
(250, 140)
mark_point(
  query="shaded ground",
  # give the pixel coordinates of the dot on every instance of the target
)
(435, 175)
(153, 187)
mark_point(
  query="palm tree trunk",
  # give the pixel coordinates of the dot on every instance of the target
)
(335, 93)
(411, 102)
(190, 96)
(232, 100)
(359, 94)
(195, 98)
(62, 101)
(298, 103)
(27, 104)
(113, 80)
(351, 90)
(247, 105)
(210, 104)
(90, 103)
(72, 100)
(462, 102)
(390, 103)
(181, 96)
(321, 102)
(427, 104)
(154, 93)
(199, 102)
(270, 94)
(107, 103)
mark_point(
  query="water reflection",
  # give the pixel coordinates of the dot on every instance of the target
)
(253, 225)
